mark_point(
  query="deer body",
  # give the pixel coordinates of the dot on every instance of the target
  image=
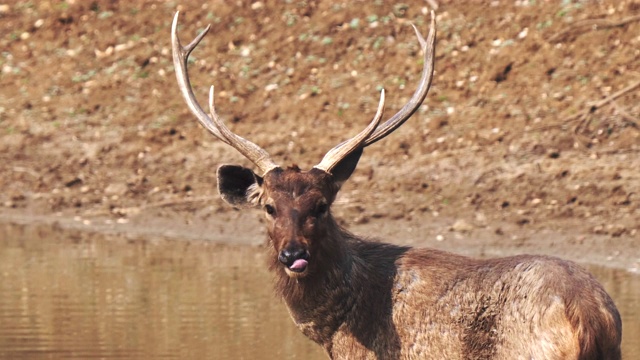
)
(441, 306)
(362, 299)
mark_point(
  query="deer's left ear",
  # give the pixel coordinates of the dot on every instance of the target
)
(237, 185)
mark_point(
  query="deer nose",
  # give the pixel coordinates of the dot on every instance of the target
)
(289, 256)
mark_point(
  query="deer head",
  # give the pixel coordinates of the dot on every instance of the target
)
(296, 202)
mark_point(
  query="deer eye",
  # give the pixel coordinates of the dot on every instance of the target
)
(321, 209)
(269, 209)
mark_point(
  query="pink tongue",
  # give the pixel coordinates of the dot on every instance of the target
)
(299, 264)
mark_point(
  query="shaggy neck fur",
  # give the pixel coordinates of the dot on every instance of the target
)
(345, 285)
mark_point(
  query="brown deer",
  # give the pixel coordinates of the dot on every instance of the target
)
(361, 299)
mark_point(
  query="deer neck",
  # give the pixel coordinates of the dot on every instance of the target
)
(320, 302)
(327, 300)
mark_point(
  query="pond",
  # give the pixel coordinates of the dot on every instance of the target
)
(73, 295)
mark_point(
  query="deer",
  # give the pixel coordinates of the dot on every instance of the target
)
(364, 299)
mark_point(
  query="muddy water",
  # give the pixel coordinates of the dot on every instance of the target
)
(67, 295)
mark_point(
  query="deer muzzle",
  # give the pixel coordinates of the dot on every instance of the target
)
(295, 258)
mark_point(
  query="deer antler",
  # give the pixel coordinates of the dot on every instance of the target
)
(333, 157)
(214, 124)
(259, 156)
(342, 150)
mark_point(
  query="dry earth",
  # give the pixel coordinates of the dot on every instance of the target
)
(529, 140)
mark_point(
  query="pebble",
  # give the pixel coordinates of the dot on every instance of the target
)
(461, 226)
(523, 34)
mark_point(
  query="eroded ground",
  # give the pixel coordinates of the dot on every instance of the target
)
(529, 140)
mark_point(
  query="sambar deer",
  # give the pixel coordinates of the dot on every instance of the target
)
(361, 299)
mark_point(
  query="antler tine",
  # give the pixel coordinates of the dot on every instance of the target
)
(428, 47)
(180, 57)
(251, 151)
(214, 124)
(373, 132)
(339, 152)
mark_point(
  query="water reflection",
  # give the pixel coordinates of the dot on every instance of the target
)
(75, 296)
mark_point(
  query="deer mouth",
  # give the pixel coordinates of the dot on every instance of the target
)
(295, 261)
(298, 268)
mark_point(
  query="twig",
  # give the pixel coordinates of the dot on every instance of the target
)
(616, 95)
(585, 120)
(597, 105)
(26, 170)
(594, 24)
(618, 151)
(627, 117)
(487, 173)
(583, 115)
(433, 4)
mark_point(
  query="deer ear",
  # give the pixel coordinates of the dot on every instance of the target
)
(237, 184)
(343, 169)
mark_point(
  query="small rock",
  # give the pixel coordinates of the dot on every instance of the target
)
(618, 230)
(73, 182)
(461, 226)
(523, 34)
(599, 229)
(116, 189)
(271, 87)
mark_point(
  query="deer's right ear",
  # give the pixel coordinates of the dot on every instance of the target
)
(345, 167)
(238, 185)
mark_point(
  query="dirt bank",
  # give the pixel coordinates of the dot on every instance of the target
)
(529, 140)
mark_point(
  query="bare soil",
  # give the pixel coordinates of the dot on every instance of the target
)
(529, 140)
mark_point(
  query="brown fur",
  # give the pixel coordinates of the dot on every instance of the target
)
(362, 299)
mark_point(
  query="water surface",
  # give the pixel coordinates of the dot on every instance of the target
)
(72, 295)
